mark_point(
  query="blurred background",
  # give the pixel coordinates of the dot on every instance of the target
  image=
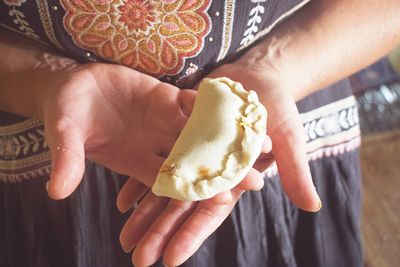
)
(379, 109)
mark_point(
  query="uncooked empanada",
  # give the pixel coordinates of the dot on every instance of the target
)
(218, 145)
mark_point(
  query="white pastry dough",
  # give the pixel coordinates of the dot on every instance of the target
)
(218, 145)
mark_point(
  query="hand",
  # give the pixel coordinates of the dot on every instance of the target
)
(283, 126)
(174, 229)
(114, 116)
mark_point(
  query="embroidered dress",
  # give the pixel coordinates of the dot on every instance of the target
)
(177, 41)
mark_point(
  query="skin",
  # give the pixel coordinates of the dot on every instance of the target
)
(317, 40)
(94, 111)
(110, 114)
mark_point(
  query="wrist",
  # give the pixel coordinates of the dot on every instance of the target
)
(27, 69)
(24, 89)
(272, 61)
(46, 75)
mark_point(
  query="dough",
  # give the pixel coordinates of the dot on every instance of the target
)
(218, 145)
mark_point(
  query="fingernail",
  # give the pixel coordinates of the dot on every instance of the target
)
(47, 186)
(261, 186)
(319, 205)
(125, 248)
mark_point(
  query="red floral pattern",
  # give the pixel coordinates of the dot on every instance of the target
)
(151, 36)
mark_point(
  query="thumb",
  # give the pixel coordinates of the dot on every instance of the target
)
(68, 160)
(289, 149)
(186, 99)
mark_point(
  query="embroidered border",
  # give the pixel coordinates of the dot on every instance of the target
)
(23, 151)
(227, 29)
(19, 18)
(44, 13)
(20, 127)
(270, 27)
(330, 130)
(20, 170)
(19, 32)
(254, 19)
(328, 151)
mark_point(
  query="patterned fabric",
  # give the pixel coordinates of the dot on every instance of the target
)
(23, 151)
(177, 41)
(154, 37)
(174, 40)
(331, 130)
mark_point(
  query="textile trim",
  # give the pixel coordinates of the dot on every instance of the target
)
(151, 36)
(265, 31)
(19, 18)
(17, 31)
(227, 28)
(23, 151)
(255, 15)
(44, 13)
(330, 130)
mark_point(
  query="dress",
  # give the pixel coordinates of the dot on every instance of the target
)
(264, 229)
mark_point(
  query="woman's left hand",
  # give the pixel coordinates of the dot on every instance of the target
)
(175, 230)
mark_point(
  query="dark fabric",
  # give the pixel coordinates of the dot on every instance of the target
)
(373, 76)
(37, 13)
(325, 96)
(264, 229)
(81, 230)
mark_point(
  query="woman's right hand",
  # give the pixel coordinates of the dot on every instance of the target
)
(114, 116)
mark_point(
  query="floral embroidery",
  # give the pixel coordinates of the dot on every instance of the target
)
(190, 77)
(255, 18)
(14, 2)
(191, 69)
(24, 153)
(19, 18)
(151, 36)
(7, 147)
(331, 130)
(14, 146)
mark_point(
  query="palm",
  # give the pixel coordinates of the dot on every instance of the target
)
(178, 228)
(286, 132)
(119, 118)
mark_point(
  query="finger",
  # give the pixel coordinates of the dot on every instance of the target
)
(221, 198)
(289, 149)
(129, 194)
(153, 243)
(254, 180)
(141, 219)
(68, 160)
(205, 219)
